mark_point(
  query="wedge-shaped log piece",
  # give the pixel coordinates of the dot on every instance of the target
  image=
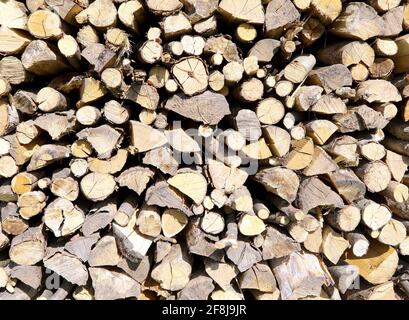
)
(222, 273)
(226, 178)
(379, 91)
(63, 217)
(280, 181)
(264, 50)
(99, 56)
(162, 195)
(331, 78)
(358, 21)
(249, 11)
(57, 124)
(300, 155)
(181, 141)
(173, 272)
(144, 137)
(80, 246)
(378, 265)
(329, 104)
(97, 186)
(359, 119)
(321, 163)
(46, 155)
(277, 139)
(111, 165)
(144, 95)
(193, 184)
(105, 253)
(104, 139)
(279, 14)
(43, 59)
(347, 53)
(344, 276)
(135, 178)
(298, 275)
(333, 244)
(110, 284)
(99, 216)
(313, 193)
(244, 256)
(277, 244)
(162, 158)
(208, 107)
(259, 277)
(173, 221)
(67, 266)
(28, 248)
(198, 288)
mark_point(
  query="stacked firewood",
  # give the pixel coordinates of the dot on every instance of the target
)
(204, 149)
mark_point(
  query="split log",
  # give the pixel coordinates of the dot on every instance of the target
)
(310, 276)
(135, 178)
(38, 54)
(279, 14)
(300, 155)
(62, 217)
(313, 193)
(190, 108)
(280, 181)
(11, 221)
(97, 186)
(358, 21)
(28, 248)
(333, 245)
(378, 265)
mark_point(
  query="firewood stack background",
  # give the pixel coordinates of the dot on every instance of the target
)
(204, 149)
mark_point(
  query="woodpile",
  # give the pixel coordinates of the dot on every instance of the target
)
(204, 149)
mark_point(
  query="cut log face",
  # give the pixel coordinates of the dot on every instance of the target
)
(358, 21)
(280, 181)
(97, 186)
(62, 217)
(251, 11)
(378, 265)
(173, 273)
(191, 184)
(310, 276)
(191, 107)
(191, 75)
